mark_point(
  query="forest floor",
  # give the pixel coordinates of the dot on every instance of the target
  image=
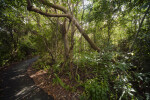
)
(17, 85)
(44, 80)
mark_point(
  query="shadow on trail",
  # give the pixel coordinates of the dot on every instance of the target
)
(17, 85)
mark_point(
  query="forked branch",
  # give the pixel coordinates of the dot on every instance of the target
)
(67, 14)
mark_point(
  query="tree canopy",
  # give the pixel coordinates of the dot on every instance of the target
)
(102, 45)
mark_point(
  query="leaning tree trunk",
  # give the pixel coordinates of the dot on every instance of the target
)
(66, 15)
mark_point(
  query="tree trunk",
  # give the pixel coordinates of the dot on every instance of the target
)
(67, 15)
(65, 40)
(108, 34)
(71, 50)
(81, 30)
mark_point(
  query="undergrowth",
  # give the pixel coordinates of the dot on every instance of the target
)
(103, 76)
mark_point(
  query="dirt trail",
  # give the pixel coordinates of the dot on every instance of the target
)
(15, 84)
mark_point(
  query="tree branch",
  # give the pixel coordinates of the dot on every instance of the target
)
(45, 2)
(69, 5)
(68, 26)
(31, 8)
(68, 15)
(139, 29)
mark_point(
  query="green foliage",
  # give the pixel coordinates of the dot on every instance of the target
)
(90, 59)
(57, 80)
(78, 78)
(5, 47)
(115, 73)
(141, 84)
(12, 29)
(142, 51)
(112, 78)
(95, 90)
(44, 62)
(11, 49)
(56, 67)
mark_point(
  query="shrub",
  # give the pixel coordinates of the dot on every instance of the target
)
(44, 62)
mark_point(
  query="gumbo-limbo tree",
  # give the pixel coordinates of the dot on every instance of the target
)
(68, 15)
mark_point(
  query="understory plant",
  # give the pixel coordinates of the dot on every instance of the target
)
(111, 78)
(44, 62)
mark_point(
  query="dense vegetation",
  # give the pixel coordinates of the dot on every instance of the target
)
(101, 45)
